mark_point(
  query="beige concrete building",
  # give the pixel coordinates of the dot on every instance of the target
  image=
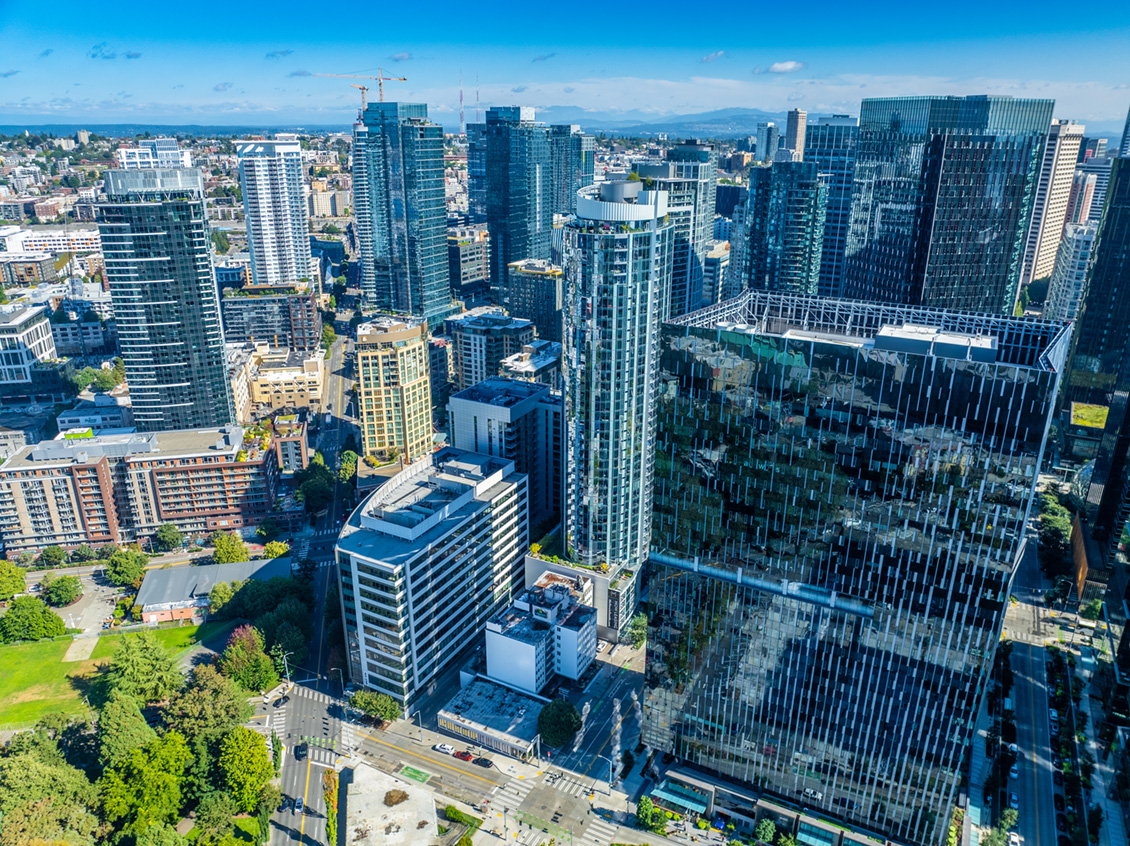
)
(394, 387)
(287, 379)
(1057, 171)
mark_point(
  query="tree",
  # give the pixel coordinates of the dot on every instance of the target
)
(276, 549)
(105, 380)
(328, 335)
(268, 530)
(229, 547)
(645, 812)
(13, 580)
(637, 630)
(160, 834)
(144, 669)
(83, 553)
(61, 590)
(348, 465)
(765, 831)
(146, 788)
(169, 536)
(121, 729)
(221, 240)
(1008, 818)
(245, 765)
(245, 662)
(210, 706)
(379, 705)
(1092, 610)
(126, 567)
(52, 556)
(315, 484)
(785, 839)
(220, 596)
(29, 618)
(214, 818)
(558, 722)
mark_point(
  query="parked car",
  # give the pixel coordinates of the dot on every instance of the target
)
(1057, 778)
(1058, 800)
(486, 763)
(601, 645)
(1014, 749)
(1054, 728)
(815, 795)
(1053, 714)
(284, 805)
(1014, 801)
(300, 751)
(445, 748)
(1060, 822)
(1013, 839)
(1014, 771)
(299, 807)
(464, 756)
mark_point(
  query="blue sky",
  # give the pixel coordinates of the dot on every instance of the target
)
(153, 62)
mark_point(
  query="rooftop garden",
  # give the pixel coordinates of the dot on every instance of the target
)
(1088, 415)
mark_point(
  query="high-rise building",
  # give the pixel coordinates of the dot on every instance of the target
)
(618, 255)
(689, 175)
(572, 165)
(468, 261)
(519, 421)
(1053, 192)
(1100, 169)
(394, 388)
(274, 206)
(1124, 147)
(841, 497)
(428, 558)
(779, 238)
(509, 174)
(1081, 197)
(154, 152)
(481, 339)
(716, 282)
(830, 145)
(157, 248)
(1069, 278)
(795, 132)
(26, 339)
(768, 140)
(280, 315)
(398, 199)
(537, 291)
(1092, 148)
(942, 200)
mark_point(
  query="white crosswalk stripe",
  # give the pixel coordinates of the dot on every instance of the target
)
(599, 832)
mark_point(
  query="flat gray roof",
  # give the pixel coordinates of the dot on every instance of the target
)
(184, 584)
(497, 710)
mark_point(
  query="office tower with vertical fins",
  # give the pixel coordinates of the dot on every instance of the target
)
(572, 165)
(830, 145)
(1053, 193)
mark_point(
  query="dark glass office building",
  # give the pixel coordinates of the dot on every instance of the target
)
(157, 247)
(399, 205)
(841, 491)
(572, 163)
(779, 235)
(830, 145)
(509, 176)
(942, 198)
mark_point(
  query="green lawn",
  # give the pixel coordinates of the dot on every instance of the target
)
(34, 679)
(1086, 414)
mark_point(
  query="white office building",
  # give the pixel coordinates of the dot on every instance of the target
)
(1053, 191)
(25, 340)
(424, 562)
(548, 631)
(50, 239)
(274, 205)
(154, 152)
(1065, 290)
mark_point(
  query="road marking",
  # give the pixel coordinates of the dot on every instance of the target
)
(305, 795)
(415, 774)
(428, 760)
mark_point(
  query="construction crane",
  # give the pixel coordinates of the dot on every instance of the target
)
(380, 78)
(364, 89)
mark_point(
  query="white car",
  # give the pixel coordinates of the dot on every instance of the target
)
(601, 645)
(1014, 749)
(445, 748)
(1013, 839)
(1053, 714)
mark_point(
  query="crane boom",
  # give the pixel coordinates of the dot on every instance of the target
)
(380, 78)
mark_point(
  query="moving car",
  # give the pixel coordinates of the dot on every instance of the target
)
(299, 807)
(1014, 801)
(445, 748)
(300, 752)
(284, 805)
(464, 756)
(484, 762)
(282, 700)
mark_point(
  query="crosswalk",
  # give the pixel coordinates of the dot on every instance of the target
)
(598, 833)
(568, 786)
(511, 794)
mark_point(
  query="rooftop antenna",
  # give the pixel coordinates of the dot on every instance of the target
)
(462, 122)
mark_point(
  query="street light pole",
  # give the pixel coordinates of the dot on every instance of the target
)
(419, 723)
(610, 771)
(286, 666)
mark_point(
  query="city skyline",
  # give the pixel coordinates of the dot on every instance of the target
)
(203, 73)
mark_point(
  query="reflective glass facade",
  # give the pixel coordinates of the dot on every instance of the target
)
(399, 206)
(839, 507)
(157, 246)
(830, 144)
(942, 199)
(573, 165)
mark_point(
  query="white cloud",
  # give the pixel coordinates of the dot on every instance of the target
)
(786, 67)
(713, 57)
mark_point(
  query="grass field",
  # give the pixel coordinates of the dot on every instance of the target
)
(1091, 416)
(34, 679)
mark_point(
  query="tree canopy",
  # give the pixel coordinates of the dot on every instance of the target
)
(126, 567)
(246, 663)
(229, 547)
(53, 556)
(13, 580)
(29, 618)
(146, 788)
(379, 705)
(169, 536)
(144, 669)
(245, 765)
(558, 722)
(209, 706)
(60, 590)
(121, 729)
(275, 549)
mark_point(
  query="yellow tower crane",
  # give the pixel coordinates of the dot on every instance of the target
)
(380, 78)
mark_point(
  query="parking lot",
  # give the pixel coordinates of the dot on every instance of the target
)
(89, 610)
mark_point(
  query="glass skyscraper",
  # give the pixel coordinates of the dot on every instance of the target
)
(841, 492)
(617, 276)
(779, 235)
(157, 247)
(689, 175)
(509, 187)
(401, 215)
(830, 145)
(942, 199)
(274, 206)
(573, 162)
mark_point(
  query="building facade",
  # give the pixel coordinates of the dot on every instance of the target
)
(795, 132)
(153, 153)
(25, 342)
(841, 493)
(399, 208)
(1080, 199)
(157, 246)
(481, 339)
(1098, 167)
(509, 174)
(280, 315)
(394, 388)
(521, 422)
(428, 558)
(274, 207)
(1053, 192)
(539, 361)
(779, 240)
(572, 165)
(468, 260)
(618, 255)
(535, 292)
(830, 145)
(1069, 278)
(942, 200)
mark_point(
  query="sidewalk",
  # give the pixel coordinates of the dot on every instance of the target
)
(1113, 832)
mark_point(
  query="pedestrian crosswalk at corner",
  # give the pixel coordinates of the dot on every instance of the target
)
(277, 721)
(599, 833)
(567, 785)
(510, 795)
